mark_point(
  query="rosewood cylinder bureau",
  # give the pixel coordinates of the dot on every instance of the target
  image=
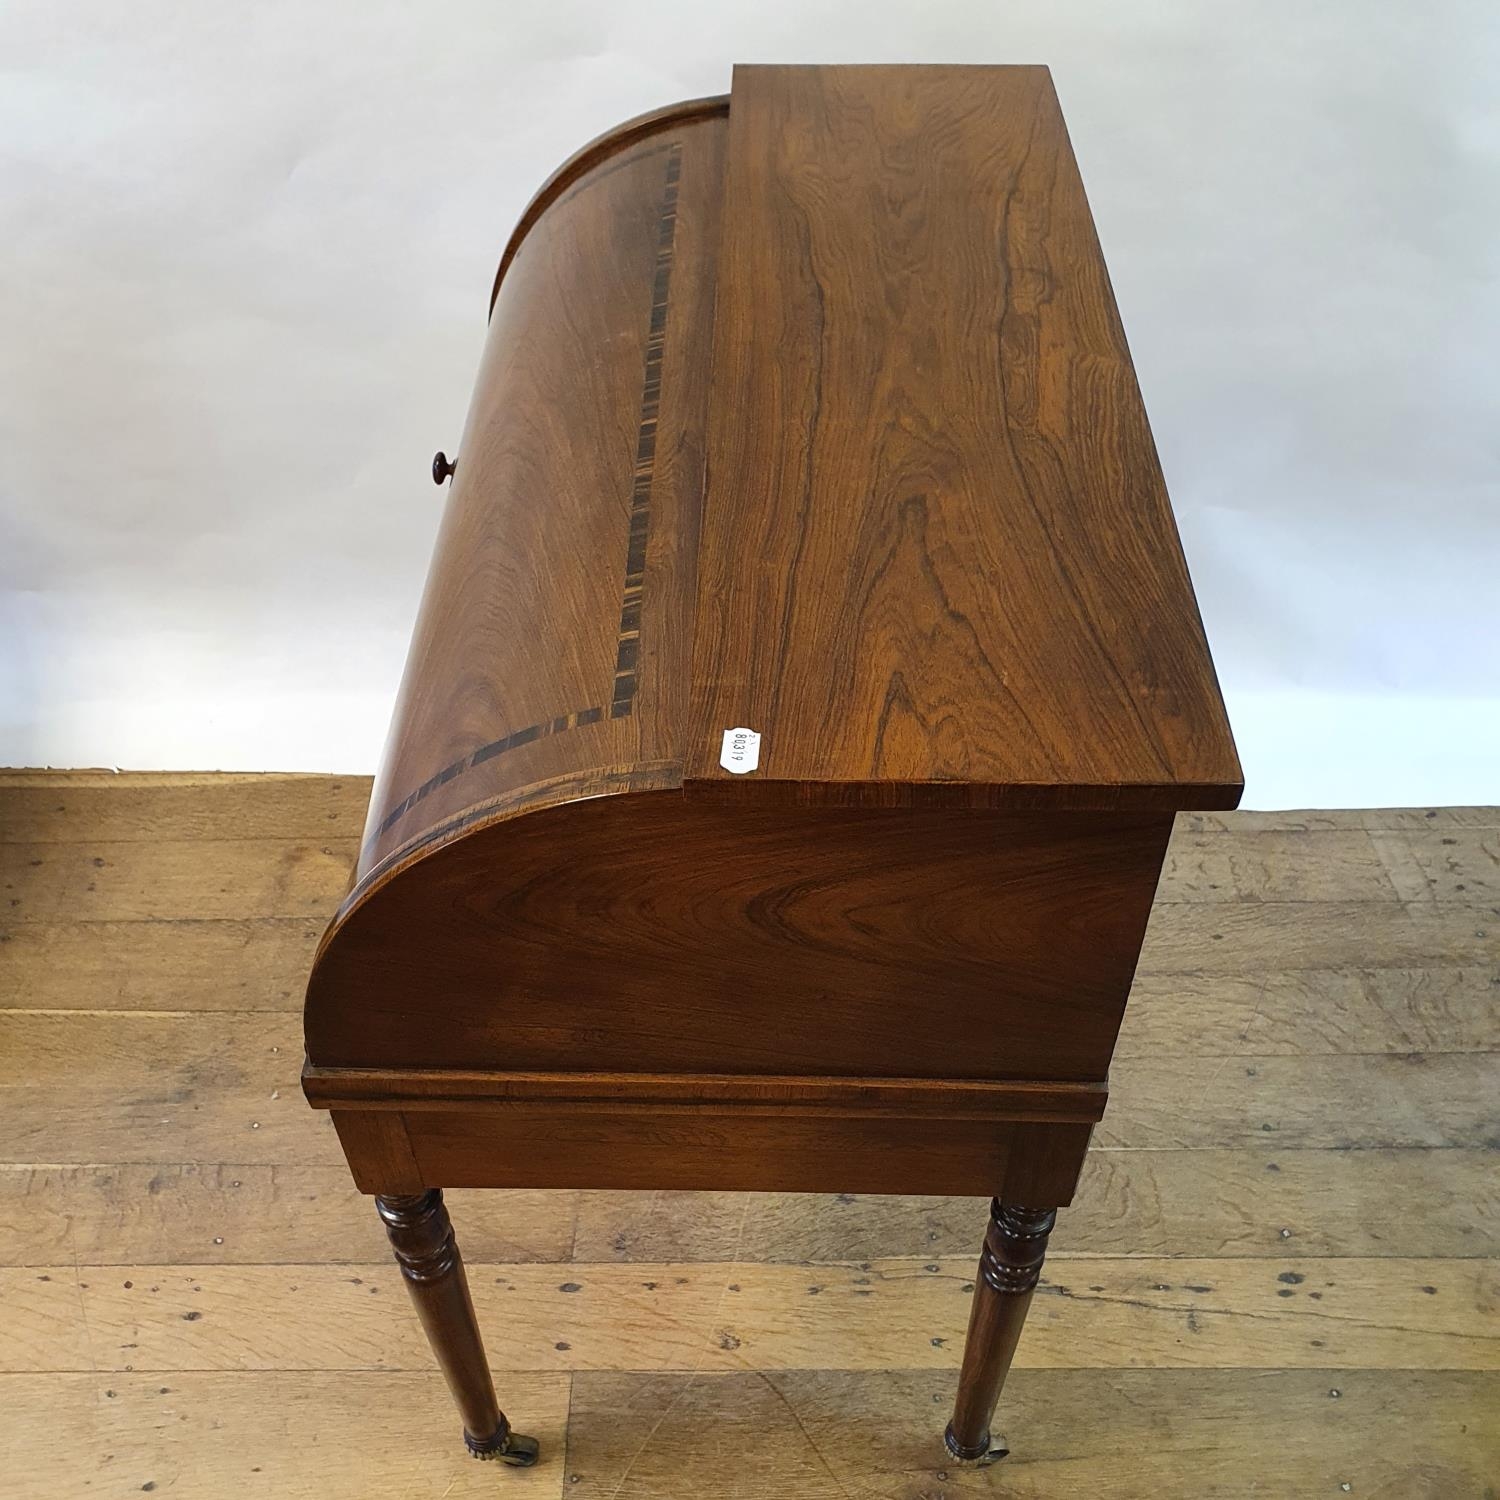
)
(806, 680)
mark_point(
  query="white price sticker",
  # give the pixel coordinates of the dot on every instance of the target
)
(741, 751)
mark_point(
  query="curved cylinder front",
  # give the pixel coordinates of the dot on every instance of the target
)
(550, 659)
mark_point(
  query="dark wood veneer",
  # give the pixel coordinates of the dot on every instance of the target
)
(937, 547)
(807, 412)
(650, 933)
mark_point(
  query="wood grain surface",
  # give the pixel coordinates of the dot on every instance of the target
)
(609, 144)
(133, 1077)
(860, 315)
(937, 547)
(815, 1435)
(653, 934)
(873, 334)
(529, 1145)
(552, 646)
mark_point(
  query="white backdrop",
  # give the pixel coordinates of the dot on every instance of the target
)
(244, 263)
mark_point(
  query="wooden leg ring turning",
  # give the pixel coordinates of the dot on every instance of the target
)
(1009, 1266)
(422, 1236)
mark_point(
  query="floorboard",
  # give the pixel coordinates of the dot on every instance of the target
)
(1280, 1276)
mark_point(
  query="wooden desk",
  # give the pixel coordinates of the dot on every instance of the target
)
(805, 412)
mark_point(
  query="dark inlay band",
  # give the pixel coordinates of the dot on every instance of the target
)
(627, 653)
(545, 730)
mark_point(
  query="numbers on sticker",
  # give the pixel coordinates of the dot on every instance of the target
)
(740, 750)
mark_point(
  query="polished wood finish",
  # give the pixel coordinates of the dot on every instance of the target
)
(378, 1142)
(938, 556)
(153, 942)
(653, 934)
(602, 150)
(550, 658)
(808, 417)
(964, 590)
(456, 1088)
(730, 1148)
(421, 1234)
(1010, 1264)
(726, 1131)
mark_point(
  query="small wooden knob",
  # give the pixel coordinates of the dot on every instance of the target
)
(441, 467)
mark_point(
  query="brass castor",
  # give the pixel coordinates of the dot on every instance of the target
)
(508, 1447)
(990, 1451)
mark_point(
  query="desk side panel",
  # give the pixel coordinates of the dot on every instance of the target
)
(656, 934)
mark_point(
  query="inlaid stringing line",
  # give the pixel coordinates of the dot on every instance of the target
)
(547, 728)
(627, 653)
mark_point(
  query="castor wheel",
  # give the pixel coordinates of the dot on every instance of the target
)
(507, 1447)
(990, 1451)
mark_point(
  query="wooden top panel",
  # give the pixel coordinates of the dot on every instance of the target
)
(938, 561)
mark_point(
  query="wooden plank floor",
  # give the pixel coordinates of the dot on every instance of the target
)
(1280, 1277)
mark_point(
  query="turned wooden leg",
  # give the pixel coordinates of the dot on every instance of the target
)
(422, 1236)
(1009, 1265)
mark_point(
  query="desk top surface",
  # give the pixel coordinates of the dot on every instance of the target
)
(937, 546)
